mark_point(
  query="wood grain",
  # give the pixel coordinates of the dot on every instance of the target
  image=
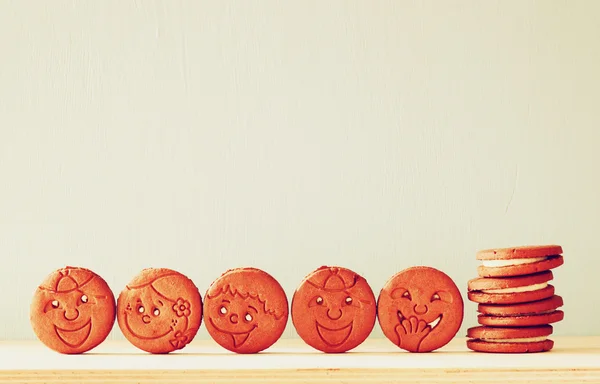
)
(574, 360)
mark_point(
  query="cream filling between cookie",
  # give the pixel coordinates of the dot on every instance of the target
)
(511, 262)
(524, 314)
(517, 340)
(526, 288)
(544, 312)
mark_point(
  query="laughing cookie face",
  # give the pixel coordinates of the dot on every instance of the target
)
(333, 309)
(73, 310)
(420, 309)
(160, 311)
(246, 310)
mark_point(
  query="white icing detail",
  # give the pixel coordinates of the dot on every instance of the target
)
(517, 340)
(527, 288)
(511, 262)
(435, 322)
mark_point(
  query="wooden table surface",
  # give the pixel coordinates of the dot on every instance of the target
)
(573, 360)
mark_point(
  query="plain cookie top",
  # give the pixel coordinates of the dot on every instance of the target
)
(483, 332)
(534, 307)
(524, 252)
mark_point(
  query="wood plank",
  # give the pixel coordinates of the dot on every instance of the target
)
(573, 360)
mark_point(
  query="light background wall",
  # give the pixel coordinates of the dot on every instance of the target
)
(377, 135)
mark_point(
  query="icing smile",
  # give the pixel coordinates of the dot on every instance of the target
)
(239, 338)
(334, 337)
(76, 337)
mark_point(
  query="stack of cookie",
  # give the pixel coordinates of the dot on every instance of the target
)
(516, 303)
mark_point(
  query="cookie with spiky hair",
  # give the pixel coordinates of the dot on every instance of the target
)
(246, 310)
(333, 309)
(160, 310)
(73, 310)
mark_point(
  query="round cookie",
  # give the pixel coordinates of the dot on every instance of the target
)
(510, 340)
(160, 310)
(511, 290)
(524, 252)
(420, 309)
(535, 307)
(482, 346)
(508, 284)
(333, 309)
(511, 298)
(245, 310)
(521, 315)
(518, 261)
(73, 310)
(521, 321)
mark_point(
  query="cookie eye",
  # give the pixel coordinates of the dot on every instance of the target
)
(84, 299)
(156, 312)
(435, 297)
(248, 317)
(406, 295)
(141, 309)
(319, 300)
(223, 310)
(348, 300)
(55, 304)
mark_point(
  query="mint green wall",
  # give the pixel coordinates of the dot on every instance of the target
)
(376, 135)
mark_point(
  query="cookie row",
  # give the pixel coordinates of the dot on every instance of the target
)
(516, 302)
(245, 310)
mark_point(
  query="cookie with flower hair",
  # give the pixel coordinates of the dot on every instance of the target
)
(160, 310)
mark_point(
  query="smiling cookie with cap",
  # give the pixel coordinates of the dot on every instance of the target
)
(73, 310)
(333, 309)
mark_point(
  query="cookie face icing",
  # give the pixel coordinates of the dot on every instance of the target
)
(73, 310)
(420, 309)
(334, 309)
(160, 311)
(246, 310)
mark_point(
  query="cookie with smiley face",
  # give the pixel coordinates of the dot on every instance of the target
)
(73, 310)
(160, 310)
(334, 309)
(246, 310)
(420, 309)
